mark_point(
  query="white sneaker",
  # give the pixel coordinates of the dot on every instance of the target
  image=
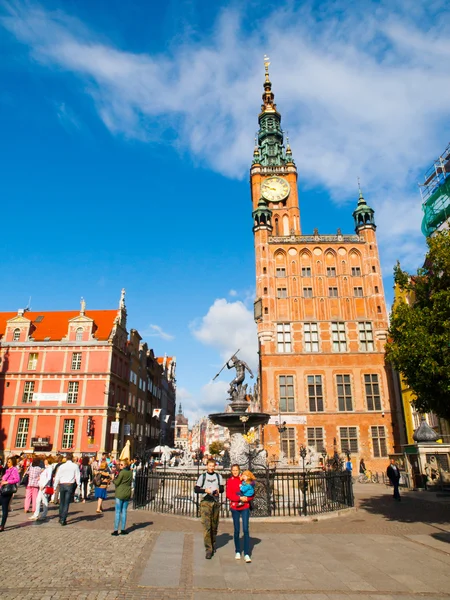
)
(247, 558)
(238, 556)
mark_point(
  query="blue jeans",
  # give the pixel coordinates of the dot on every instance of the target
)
(66, 491)
(121, 510)
(237, 530)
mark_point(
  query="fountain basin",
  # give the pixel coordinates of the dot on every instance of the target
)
(232, 420)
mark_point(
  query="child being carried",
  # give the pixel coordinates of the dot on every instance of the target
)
(247, 487)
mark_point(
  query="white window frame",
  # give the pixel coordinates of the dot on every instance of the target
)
(28, 391)
(311, 336)
(33, 358)
(366, 341)
(286, 384)
(16, 335)
(73, 388)
(339, 336)
(79, 334)
(22, 433)
(75, 363)
(315, 384)
(284, 339)
(68, 433)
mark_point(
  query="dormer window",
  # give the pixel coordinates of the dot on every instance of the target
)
(16, 335)
(79, 334)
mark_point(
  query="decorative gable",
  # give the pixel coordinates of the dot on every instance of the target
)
(18, 329)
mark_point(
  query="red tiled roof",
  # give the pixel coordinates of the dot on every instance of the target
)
(55, 324)
(160, 359)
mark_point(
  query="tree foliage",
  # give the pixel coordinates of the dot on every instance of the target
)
(419, 341)
(215, 448)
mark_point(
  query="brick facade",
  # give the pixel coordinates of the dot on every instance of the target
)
(321, 317)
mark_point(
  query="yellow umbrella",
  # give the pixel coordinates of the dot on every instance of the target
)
(125, 452)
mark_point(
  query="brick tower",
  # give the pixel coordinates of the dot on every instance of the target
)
(321, 318)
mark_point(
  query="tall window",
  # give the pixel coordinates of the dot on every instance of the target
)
(358, 292)
(315, 393)
(331, 271)
(288, 443)
(356, 271)
(333, 292)
(344, 392)
(28, 390)
(72, 392)
(68, 432)
(339, 338)
(16, 335)
(280, 272)
(366, 336)
(372, 392)
(306, 271)
(307, 292)
(79, 334)
(349, 439)
(379, 441)
(315, 438)
(76, 361)
(281, 293)
(283, 337)
(22, 433)
(32, 361)
(311, 334)
(286, 387)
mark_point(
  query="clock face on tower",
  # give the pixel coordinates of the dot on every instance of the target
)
(275, 189)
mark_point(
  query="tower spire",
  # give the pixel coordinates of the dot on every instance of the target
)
(363, 214)
(270, 150)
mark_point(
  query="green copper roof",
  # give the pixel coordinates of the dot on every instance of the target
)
(363, 214)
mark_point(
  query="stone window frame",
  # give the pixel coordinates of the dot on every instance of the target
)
(339, 330)
(289, 407)
(354, 449)
(317, 398)
(288, 443)
(344, 395)
(331, 271)
(379, 442)
(356, 271)
(307, 292)
(358, 292)
(282, 293)
(316, 440)
(333, 292)
(16, 335)
(376, 407)
(306, 271)
(365, 328)
(73, 388)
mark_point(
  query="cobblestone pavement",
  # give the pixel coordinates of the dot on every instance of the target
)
(383, 551)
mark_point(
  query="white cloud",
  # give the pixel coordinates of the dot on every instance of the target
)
(227, 327)
(232, 293)
(362, 92)
(67, 117)
(157, 331)
(212, 398)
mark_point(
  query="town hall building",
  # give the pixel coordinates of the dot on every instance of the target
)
(321, 318)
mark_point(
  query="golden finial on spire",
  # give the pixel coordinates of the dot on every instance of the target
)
(266, 66)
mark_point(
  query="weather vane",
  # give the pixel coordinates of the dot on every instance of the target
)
(266, 65)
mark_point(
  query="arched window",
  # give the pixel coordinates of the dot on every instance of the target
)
(79, 334)
(285, 225)
(16, 335)
(277, 229)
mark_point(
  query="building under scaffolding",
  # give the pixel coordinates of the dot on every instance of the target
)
(435, 193)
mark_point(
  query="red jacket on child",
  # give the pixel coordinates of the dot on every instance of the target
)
(234, 494)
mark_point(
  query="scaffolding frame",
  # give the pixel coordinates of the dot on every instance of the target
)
(435, 193)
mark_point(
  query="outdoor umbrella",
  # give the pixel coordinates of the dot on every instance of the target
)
(125, 454)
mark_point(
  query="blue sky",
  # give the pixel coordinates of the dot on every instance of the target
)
(127, 134)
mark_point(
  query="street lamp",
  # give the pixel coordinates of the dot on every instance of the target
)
(303, 453)
(281, 426)
(324, 457)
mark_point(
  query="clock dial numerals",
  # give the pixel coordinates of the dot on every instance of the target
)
(275, 189)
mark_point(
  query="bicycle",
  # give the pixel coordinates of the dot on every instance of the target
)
(368, 477)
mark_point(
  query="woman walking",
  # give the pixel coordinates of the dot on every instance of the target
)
(34, 473)
(240, 508)
(10, 479)
(85, 477)
(123, 483)
(45, 486)
(102, 479)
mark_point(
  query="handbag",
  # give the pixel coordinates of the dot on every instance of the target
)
(49, 490)
(25, 479)
(8, 489)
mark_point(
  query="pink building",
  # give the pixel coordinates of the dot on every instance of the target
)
(63, 376)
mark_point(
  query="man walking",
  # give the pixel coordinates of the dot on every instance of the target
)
(393, 473)
(210, 484)
(68, 478)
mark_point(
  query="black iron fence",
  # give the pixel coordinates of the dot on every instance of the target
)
(277, 493)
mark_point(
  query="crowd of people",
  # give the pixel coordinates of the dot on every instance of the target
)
(62, 479)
